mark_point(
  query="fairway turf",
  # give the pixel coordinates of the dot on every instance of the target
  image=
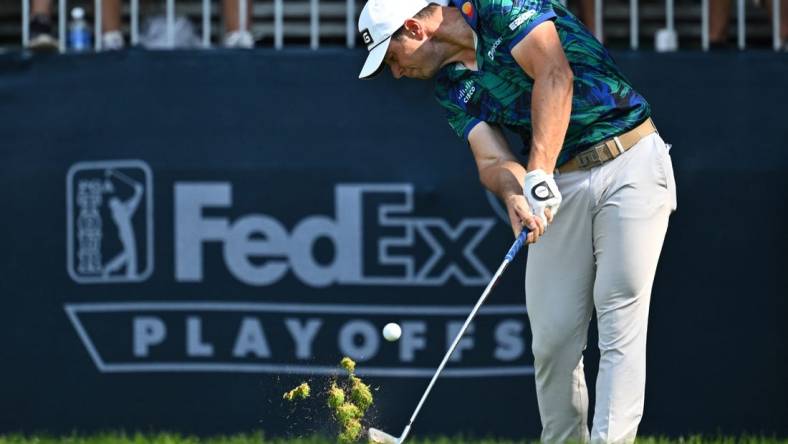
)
(117, 438)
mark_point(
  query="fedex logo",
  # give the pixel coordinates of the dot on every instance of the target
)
(375, 237)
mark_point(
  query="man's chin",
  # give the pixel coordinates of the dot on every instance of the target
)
(423, 76)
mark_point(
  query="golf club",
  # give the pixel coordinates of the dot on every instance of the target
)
(379, 436)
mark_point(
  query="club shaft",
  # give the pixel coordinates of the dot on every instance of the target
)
(454, 344)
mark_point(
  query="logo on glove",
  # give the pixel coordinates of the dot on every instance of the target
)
(541, 191)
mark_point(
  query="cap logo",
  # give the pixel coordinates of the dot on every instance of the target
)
(367, 37)
(467, 9)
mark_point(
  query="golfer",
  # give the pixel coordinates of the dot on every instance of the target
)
(596, 191)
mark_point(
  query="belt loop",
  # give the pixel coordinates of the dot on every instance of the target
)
(618, 145)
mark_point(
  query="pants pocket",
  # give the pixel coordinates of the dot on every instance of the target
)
(666, 178)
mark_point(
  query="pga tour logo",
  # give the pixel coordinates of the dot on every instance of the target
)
(109, 220)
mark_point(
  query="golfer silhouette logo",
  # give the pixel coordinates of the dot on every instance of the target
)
(110, 221)
(122, 213)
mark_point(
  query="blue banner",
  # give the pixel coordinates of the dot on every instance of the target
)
(188, 235)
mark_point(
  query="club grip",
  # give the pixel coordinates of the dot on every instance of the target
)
(517, 245)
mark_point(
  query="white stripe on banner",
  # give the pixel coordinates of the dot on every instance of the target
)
(262, 307)
(410, 372)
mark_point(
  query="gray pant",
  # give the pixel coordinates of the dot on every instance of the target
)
(600, 252)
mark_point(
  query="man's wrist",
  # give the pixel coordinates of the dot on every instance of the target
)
(511, 198)
(547, 167)
(538, 159)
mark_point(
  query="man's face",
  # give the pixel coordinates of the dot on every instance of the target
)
(413, 56)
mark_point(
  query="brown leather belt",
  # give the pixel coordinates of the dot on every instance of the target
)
(609, 149)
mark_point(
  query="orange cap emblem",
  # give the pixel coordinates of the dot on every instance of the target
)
(467, 9)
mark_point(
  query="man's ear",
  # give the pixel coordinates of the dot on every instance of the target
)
(413, 29)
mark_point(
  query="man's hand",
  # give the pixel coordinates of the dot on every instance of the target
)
(520, 215)
(501, 173)
(542, 194)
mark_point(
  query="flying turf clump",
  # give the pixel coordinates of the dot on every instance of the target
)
(348, 401)
(360, 394)
(349, 365)
(300, 392)
(347, 412)
(351, 432)
(336, 396)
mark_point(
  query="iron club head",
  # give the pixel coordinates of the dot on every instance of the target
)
(378, 436)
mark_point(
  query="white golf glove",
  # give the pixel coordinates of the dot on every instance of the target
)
(541, 192)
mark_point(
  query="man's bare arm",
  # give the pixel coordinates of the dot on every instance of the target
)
(499, 170)
(502, 174)
(542, 57)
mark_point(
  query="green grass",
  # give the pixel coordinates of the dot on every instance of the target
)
(164, 438)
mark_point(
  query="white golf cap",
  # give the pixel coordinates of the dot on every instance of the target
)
(378, 21)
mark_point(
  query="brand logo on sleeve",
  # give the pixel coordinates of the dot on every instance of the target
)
(521, 19)
(467, 91)
(494, 47)
(467, 9)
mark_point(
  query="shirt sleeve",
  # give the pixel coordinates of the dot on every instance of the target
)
(512, 20)
(460, 122)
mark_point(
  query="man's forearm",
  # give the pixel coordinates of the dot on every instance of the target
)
(551, 106)
(504, 178)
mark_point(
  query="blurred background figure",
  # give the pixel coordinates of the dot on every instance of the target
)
(42, 30)
(111, 27)
(234, 36)
(154, 32)
(585, 12)
(43, 35)
(720, 17)
(42, 38)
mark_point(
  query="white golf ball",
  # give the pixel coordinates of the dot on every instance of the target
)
(392, 332)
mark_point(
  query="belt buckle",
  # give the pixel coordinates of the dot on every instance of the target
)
(588, 158)
(600, 153)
